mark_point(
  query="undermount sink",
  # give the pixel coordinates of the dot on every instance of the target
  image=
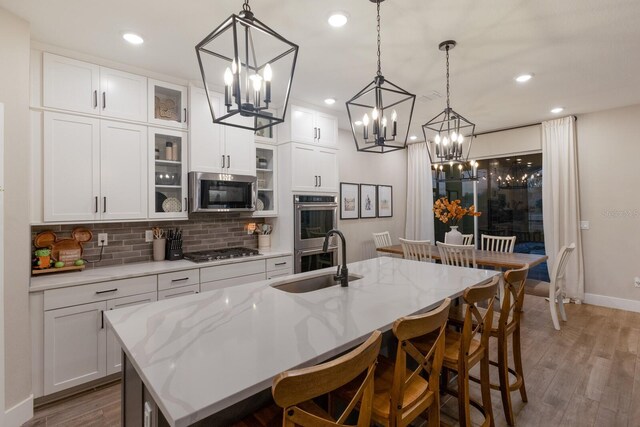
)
(311, 284)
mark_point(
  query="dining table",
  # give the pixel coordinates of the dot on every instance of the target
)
(498, 260)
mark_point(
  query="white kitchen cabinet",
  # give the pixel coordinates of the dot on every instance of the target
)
(71, 167)
(313, 127)
(167, 104)
(83, 87)
(232, 281)
(114, 351)
(123, 170)
(314, 169)
(215, 148)
(93, 169)
(167, 178)
(74, 346)
(267, 182)
(178, 292)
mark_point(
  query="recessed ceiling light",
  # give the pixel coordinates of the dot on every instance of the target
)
(133, 38)
(330, 101)
(557, 110)
(413, 137)
(338, 19)
(519, 160)
(524, 78)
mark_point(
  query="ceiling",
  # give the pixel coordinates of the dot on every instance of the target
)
(584, 53)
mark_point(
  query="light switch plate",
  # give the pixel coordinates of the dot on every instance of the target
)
(584, 225)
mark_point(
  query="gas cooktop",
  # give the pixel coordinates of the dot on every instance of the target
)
(218, 254)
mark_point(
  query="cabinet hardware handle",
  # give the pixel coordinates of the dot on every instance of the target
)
(228, 162)
(104, 205)
(319, 133)
(179, 280)
(107, 291)
(320, 176)
(101, 319)
(104, 100)
(315, 133)
(95, 98)
(280, 263)
(96, 204)
(316, 180)
(223, 161)
(185, 115)
(186, 205)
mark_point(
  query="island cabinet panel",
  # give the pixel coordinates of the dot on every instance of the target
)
(114, 351)
(74, 346)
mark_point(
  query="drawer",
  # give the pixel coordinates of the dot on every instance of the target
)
(280, 263)
(178, 279)
(234, 281)
(279, 273)
(227, 271)
(178, 292)
(76, 295)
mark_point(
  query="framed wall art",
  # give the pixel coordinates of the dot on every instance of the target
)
(349, 200)
(385, 201)
(368, 201)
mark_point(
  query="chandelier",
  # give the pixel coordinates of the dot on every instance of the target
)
(380, 114)
(446, 136)
(517, 178)
(254, 64)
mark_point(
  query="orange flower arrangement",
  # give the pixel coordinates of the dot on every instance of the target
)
(452, 212)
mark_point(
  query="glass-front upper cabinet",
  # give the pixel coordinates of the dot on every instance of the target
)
(167, 104)
(167, 174)
(267, 184)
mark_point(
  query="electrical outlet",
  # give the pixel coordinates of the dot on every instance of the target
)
(584, 225)
(103, 239)
(148, 236)
(636, 282)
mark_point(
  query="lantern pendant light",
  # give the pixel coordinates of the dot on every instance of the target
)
(254, 64)
(380, 114)
(449, 136)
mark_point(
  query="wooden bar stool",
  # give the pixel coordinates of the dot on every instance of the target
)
(465, 349)
(294, 390)
(402, 394)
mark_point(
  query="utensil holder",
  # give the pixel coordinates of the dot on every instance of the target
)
(264, 241)
(159, 246)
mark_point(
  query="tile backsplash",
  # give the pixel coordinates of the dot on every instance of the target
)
(126, 239)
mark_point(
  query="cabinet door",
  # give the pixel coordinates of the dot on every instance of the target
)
(167, 173)
(304, 176)
(302, 125)
(71, 167)
(123, 95)
(205, 138)
(327, 168)
(240, 148)
(74, 346)
(327, 129)
(69, 84)
(123, 170)
(114, 352)
(167, 104)
(178, 292)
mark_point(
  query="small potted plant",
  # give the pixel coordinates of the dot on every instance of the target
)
(451, 213)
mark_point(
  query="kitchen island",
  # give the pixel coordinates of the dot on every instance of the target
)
(192, 357)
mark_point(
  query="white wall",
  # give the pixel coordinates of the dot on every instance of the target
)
(371, 168)
(14, 93)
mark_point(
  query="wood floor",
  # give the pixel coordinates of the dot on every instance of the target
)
(587, 374)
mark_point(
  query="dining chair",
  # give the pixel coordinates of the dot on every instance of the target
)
(458, 255)
(467, 239)
(294, 390)
(409, 386)
(497, 243)
(416, 250)
(380, 240)
(554, 290)
(467, 347)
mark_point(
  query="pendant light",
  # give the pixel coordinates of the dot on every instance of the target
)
(449, 136)
(254, 64)
(380, 114)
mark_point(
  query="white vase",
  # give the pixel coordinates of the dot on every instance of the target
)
(453, 237)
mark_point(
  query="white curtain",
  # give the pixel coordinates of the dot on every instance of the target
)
(561, 199)
(419, 225)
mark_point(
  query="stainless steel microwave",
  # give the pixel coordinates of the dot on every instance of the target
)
(219, 192)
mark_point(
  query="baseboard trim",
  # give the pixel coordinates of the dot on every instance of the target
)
(20, 413)
(612, 302)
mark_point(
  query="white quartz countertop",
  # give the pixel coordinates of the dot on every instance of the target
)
(105, 274)
(202, 353)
